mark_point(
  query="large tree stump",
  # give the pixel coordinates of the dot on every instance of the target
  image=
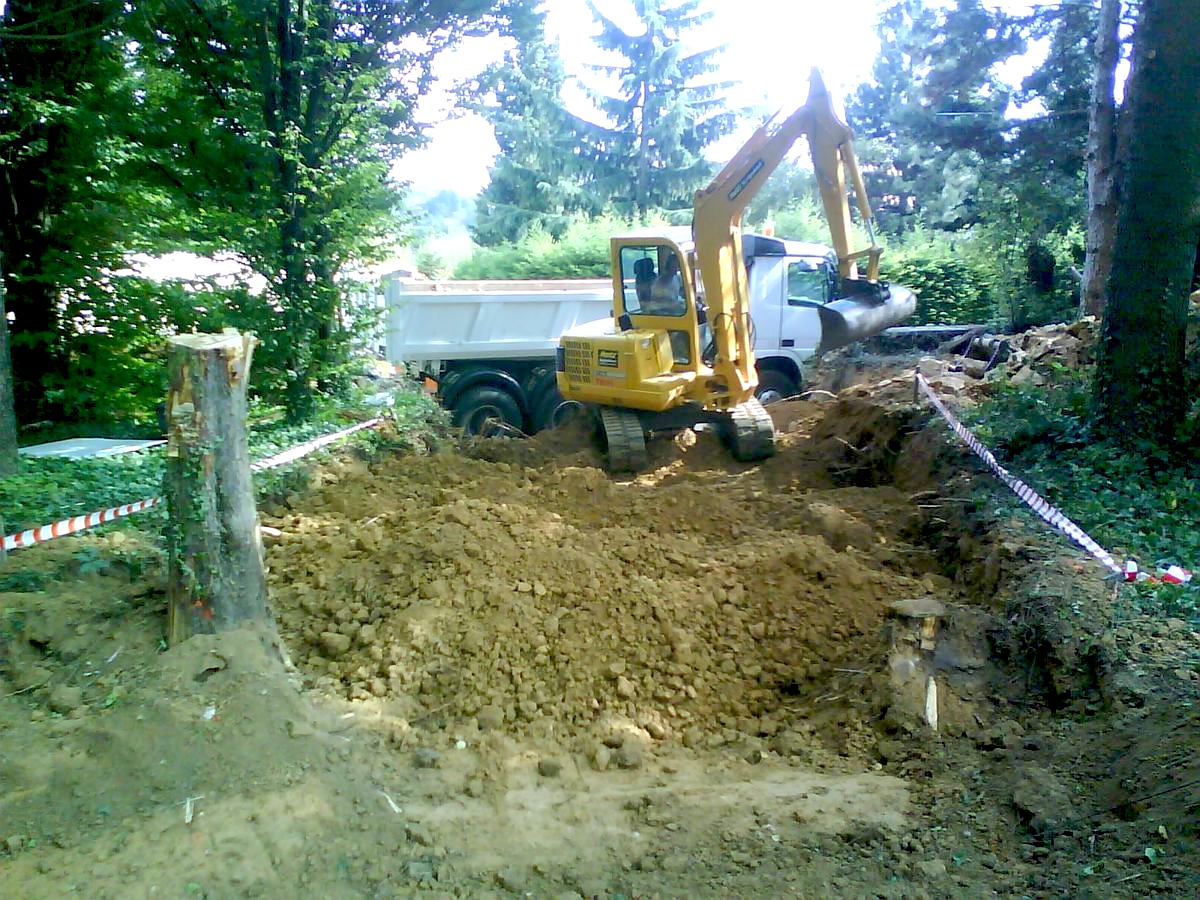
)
(217, 580)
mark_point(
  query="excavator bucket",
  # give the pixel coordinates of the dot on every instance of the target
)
(860, 314)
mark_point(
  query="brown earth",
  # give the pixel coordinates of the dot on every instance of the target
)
(500, 671)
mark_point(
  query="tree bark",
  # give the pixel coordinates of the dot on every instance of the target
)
(1101, 172)
(10, 458)
(1140, 376)
(217, 580)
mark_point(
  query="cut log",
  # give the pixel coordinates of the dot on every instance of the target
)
(217, 580)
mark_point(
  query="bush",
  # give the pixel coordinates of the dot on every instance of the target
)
(1142, 504)
(950, 289)
(582, 252)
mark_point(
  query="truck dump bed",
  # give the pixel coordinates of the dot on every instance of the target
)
(451, 320)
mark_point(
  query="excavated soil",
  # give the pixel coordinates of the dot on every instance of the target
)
(498, 671)
(704, 602)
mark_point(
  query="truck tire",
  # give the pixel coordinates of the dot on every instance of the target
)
(487, 404)
(552, 410)
(774, 386)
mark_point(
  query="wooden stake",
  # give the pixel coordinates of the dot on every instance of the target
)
(215, 561)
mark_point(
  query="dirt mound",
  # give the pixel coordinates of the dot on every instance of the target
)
(695, 601)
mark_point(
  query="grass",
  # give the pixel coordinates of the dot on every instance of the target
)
(48, 489)
(1144, 505)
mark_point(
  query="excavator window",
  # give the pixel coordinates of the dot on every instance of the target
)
(652, 282)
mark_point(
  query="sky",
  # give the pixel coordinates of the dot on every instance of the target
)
(770, 47)
(768, 52)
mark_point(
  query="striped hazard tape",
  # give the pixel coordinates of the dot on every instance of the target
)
(295, 453)
(75, 524)
(1049, 513)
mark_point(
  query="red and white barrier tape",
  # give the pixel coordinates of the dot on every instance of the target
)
(81, 523)
(1050, 514)
(75, 524)
(308, 447)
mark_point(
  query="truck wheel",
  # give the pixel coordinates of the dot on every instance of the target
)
(485, 410)
(552, 410)
(774, 386)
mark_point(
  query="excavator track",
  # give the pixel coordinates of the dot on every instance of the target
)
(751, 432)
(625, 438)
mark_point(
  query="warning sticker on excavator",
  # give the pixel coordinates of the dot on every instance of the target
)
(610, 359)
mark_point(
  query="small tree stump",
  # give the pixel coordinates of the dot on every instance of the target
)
(217, 580)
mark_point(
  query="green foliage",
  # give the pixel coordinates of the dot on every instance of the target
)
(430, 263)
(581, 252)
(934, 112)
(68, 166)
(48, 488)
(1136, 502)
(949, 289)
(647, 153)
(273, 127)
(539, 179)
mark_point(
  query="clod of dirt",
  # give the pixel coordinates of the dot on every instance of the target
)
(511, 880)
(549, 768)
(425, 758)
(334, 644)
(1042, 801)
(65, 698)
(600, 758)
(932, 868)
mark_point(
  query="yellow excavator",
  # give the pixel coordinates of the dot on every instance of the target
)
(679, 349)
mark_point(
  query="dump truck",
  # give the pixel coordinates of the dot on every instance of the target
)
(488, 348)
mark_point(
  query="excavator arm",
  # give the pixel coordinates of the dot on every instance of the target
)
(717, 218)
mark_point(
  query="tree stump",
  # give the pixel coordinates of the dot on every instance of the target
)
(217, 579)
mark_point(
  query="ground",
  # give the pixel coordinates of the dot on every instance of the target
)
(496, 670)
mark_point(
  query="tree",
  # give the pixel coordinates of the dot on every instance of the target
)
(1139, 385)
(539, 179)
(64, 167)
(10, 457)
(936, 101)
(278, 122)
(1048, 146)
(1101, 161)
(648, 153)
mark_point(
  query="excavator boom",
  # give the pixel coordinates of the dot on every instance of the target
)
(717, 217)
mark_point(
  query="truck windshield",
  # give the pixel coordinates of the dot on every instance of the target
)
(807, 281)
(651, 280)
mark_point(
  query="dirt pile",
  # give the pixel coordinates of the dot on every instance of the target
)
(697, 602)
(963, 368)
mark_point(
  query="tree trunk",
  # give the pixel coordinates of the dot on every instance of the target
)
(217, 579)
(641, 201)
(1101, 173)
(1140, 377)
(10, 459)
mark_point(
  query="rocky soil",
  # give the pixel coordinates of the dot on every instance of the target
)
(498, 671)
